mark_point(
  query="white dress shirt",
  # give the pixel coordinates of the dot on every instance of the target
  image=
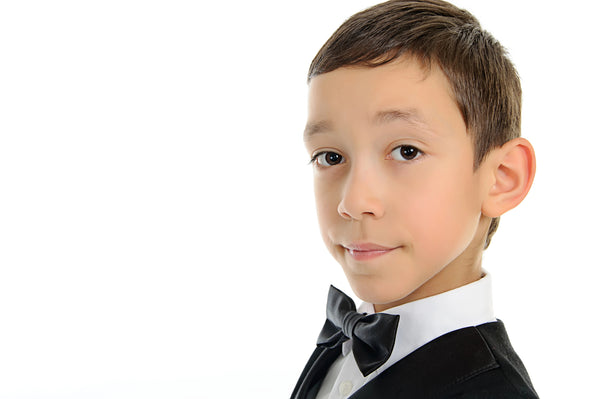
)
(420, 322)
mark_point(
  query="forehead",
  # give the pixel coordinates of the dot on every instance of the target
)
(353, 97)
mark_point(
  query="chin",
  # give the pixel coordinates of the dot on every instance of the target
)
(377, 292)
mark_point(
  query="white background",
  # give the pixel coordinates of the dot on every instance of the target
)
(156, 212)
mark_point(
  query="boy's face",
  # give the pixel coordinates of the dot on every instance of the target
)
(398, 202)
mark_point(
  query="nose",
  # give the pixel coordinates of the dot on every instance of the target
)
(361, 196)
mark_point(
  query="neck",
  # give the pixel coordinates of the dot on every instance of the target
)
(449, 278)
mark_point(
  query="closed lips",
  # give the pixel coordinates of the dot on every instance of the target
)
(367, 251)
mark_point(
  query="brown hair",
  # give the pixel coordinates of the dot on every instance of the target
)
(484, 81)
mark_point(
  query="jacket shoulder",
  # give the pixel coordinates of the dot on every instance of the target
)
(509, 380)
(473, 362)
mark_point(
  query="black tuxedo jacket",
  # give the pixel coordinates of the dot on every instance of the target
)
(474, 362)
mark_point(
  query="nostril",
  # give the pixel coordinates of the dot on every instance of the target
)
(345, 215)
(342, 212)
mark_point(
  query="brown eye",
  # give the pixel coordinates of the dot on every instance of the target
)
(328, 158)
(405, 153)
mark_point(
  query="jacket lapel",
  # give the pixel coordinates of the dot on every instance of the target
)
(317, 366)
(433, 368)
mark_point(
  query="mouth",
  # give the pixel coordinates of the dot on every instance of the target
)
(366, 251)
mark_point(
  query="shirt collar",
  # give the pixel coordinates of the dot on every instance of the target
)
(426, 319)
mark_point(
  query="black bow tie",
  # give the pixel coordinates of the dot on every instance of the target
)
(372, 335)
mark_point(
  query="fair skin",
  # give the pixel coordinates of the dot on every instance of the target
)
(399, 204)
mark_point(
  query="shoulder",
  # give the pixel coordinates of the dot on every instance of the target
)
(469, 363)
(509, 379)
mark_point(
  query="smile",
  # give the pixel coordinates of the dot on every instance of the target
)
(362, 252)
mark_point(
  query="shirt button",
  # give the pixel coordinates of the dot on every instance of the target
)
(345, 388)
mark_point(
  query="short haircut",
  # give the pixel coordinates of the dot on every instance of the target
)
(485, 83)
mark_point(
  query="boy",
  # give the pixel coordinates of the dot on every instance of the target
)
(413, 129)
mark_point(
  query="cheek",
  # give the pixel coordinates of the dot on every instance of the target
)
(326, 206)
(445, 218)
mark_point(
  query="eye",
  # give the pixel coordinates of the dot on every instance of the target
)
(327, 158)
(406, 153)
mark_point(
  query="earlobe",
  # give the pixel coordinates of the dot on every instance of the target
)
(513, 169)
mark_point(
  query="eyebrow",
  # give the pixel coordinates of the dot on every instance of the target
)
(411, 116)
(313, 128)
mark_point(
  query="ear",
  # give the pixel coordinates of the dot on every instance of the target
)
(511, 171)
